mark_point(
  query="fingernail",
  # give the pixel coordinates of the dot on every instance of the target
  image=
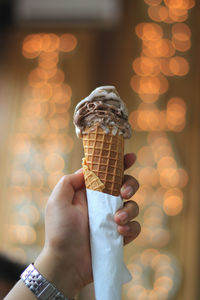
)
(127, 190)
(122, 216)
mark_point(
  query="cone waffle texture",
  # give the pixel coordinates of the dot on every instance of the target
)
(103, 164)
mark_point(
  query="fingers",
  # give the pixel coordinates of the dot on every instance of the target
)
(67, 185)
(127, 213)
(129, 231)
(126, 227)
(129, 160)
(129, 187)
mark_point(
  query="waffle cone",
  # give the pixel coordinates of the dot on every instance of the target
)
(103, 164)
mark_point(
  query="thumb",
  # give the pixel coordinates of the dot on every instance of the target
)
(67, 186)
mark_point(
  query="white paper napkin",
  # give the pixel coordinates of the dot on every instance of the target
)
(109, 271)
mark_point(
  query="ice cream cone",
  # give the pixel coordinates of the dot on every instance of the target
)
(103, 164)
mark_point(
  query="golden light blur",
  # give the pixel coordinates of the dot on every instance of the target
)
(158, 13)
(161, 179)
(153, 2)
(41, 141)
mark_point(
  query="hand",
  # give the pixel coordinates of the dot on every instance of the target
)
(123, 217)
(65, 259)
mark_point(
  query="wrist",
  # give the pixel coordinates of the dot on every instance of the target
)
(59, 273)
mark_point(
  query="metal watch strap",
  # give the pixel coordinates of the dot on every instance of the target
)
(40, 286)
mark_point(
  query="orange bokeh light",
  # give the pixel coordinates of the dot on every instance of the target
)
(181, 31)
(68, 42)
(145, 156)
(32, 46)
(169, 177)
(43, 93)
(149, 31)
(145, 66)
(46, 61)
(62, 94)
(148, 176)
(179, 65)
(180, 4)
(176, 114)
(158, 13)
(49, 42)
(181, 46)
(173, 205)
(178, 15)
(153, 2)
(164, 67)
(159, 48)
(54, 163)
(166, 162)
(60, 122)
(57, 78)
(149, 84)
(37, 78)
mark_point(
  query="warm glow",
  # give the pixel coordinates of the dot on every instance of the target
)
(183, 178)
(32, 45)
(181, 32)
(59, 122)
(158, 48)
(149, 31)
(148, 176)
(149, 84)
(144, 237)
(57, 78)
(50, 42)
(178, 15)
(37, 180)
(20, 178)
(181, 46)
(158, 13)
(54, 163)
(153, 2)
(43, 93)
(160, 237)
(22, 234)
(68, 42)
(176, 114)
(145, 156)
(164, 281)
(145, 66)
(162, 150)
(148, 255)
(160, 261)
(164, 67)
(179, 65)
(62, 94)
(169, 177)
(166, 162)
(37, 78)
(180, 4)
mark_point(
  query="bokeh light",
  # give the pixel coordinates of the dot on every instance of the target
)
(68, 42)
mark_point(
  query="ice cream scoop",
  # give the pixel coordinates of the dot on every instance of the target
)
(105, 108)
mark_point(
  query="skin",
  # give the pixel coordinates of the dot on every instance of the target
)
(65, 259)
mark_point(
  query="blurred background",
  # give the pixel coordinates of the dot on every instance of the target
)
(54, 53)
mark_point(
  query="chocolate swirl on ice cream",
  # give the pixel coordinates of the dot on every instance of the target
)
(105, 108)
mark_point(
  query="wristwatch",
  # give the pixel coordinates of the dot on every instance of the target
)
(40, 286)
